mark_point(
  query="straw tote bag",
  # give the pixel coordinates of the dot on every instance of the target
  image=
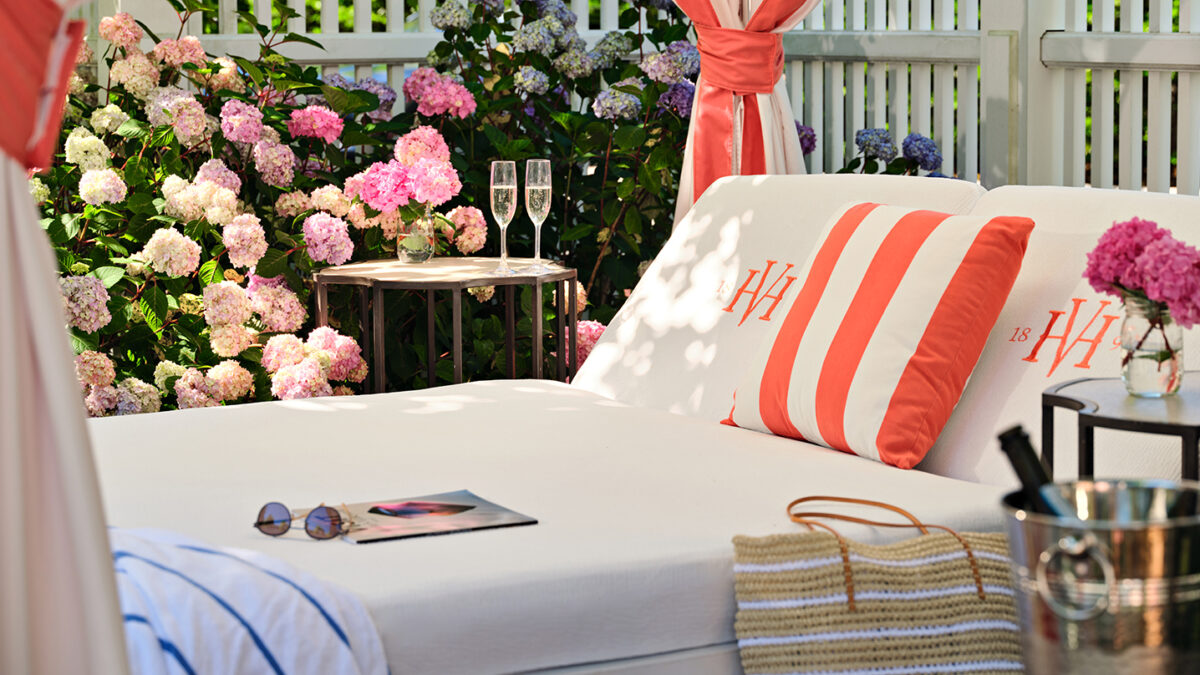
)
(816, 602)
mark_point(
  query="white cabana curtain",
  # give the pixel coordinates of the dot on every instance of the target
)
(58, 601)
(742, 121)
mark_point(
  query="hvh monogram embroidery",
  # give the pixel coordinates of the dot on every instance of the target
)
(755, 299)
(1063, 347)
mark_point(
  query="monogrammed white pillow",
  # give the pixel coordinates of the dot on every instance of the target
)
(681, 340)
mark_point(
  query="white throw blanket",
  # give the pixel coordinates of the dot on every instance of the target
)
(192, 608)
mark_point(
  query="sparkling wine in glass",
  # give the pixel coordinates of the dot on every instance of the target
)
(537, 204)
(504, 205)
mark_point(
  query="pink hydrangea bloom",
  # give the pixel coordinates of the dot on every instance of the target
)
(135, 396)
(305, 379)
(358, 217)
(193, 390)
(85, 55)
(342, 390)
(385, 186)
(226, 303)
(102, 186)
(317, 122)
(470, 228)
(589, 333)
(327, 239)
(136, 72)
(330, 198)
(172, 253)
(100, 400)
(94, 369)
(279, 309)
(1170, 272)
(241, 122)
(229, 381)
(292, 204)
(178, 52)
(189, 121)
(85, 302)
(121, 30)
(245, 240)
(225, 77)
(389, 222)
(433, 182)
(282, 351)
(446, 96)
(482, 293)
(276, 163)
(424, 142)
(420, 80)
(346, 360)
(215, 171)
(257, 283)
(230, 339)
(1112, 261)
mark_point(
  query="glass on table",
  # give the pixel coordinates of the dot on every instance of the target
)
(504, 205)
(537, 205)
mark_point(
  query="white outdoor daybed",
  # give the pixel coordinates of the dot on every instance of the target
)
(637, 486)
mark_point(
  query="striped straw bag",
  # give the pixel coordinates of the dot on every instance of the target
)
(816, 602)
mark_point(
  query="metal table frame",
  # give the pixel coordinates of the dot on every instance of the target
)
(371, 310)
(1176, 415)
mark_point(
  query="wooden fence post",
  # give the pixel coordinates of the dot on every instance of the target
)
(1023, 101)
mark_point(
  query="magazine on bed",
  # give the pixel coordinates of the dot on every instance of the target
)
(444, 513)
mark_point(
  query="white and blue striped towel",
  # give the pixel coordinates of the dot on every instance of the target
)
(192, 608)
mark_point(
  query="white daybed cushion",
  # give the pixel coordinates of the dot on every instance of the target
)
(637, 507)
(1004, 389)
(671, 346)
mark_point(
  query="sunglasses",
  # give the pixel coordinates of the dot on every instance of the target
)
(323, 522)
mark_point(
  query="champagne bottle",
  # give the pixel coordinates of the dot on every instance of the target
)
(1040, 494)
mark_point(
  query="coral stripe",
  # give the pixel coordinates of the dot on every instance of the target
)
(888, 267)
(777, 376)
(952, 342)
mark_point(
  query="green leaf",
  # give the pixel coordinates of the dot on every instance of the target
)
(83, 343)
(296, 37)
(625, 188)
(633, 221)
(577, 232)
(211, 272)
(132, 128)
(272, 264)
(349, 102)
(109, 276)
(71, 225)
(174, 3)
(630, 136)
(254, 72)
(153, 304)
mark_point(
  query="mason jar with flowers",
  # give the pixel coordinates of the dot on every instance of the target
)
(1157, 278)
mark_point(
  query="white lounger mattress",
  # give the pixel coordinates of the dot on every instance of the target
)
(632, 556)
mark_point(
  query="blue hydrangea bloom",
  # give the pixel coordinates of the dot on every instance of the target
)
(611, 48)
(612, 104)
(450, 14)
(875, 143)
(574, 64)
(678, 62)
(678, 98)
(808, 138)
(532, 81)
(539, 36)
(923, 151)
(557, 9)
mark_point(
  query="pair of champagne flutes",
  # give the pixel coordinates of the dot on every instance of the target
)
(537, 205)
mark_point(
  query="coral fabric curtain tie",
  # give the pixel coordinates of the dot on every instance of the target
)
(35, 75)
(733, 64)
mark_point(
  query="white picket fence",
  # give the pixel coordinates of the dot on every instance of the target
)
(1005, 87)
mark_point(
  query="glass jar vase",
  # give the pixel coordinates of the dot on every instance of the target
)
(414, 244)
(1151, 349)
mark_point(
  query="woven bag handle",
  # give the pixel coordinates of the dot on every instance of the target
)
(806, 518)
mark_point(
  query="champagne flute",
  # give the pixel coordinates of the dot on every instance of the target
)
(537, 205)
(504, 205)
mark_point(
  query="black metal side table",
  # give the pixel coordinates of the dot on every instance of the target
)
(1104, 403)
(455, 274)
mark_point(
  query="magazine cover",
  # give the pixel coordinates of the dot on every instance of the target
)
(443, 513)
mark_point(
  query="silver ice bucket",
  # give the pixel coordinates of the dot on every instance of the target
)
(1117, 591)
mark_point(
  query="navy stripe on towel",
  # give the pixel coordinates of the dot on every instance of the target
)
(332, 624)
(167, 646)
(262, 647)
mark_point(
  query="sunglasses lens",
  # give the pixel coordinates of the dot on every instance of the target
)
(274, 519)
(323, 522)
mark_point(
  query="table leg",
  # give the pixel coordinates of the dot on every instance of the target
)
(1087, 449)
(537, 330)
(364, 328)
(510, 330)
(1048, 439)
(457, 318)
(430, 344)
(377, 328)
(560, 291)
(573, 327)
(1191, 450)
(322, 304)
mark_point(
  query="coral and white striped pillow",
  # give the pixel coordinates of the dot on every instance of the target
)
(877, 346)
